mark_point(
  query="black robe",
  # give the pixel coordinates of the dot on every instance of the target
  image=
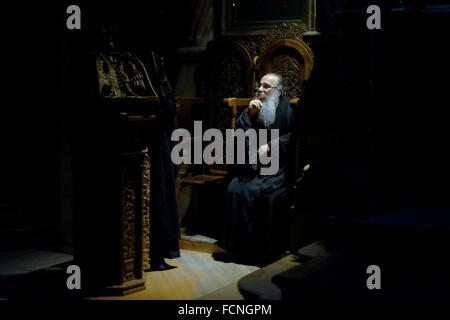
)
(164, 225)
(256, 214)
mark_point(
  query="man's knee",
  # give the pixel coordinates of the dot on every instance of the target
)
(279, 195)
(234, 187)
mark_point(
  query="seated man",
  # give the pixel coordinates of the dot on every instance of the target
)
(256, 223)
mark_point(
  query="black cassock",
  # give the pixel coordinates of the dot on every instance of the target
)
(164, 225)
(256, 220)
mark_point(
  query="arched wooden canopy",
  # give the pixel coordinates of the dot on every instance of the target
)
(283, 51)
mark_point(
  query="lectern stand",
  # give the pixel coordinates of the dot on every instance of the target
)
(112, 153)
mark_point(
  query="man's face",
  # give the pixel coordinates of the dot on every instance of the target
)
(267, 86)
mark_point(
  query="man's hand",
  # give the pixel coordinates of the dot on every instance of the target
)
(263, 150)
(253, 107)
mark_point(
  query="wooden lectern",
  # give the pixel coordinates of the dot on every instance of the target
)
(112, 164)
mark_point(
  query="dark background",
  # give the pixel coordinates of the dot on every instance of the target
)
(383, 92)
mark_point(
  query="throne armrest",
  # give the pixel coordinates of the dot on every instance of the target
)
(241, 102)
(179, 101)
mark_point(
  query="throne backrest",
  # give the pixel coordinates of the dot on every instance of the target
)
(283, 51)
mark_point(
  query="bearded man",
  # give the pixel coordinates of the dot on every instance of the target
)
(256, 215)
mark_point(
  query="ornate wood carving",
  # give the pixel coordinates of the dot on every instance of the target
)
(229, 83)
(250, 45)
(282, 31)
(145, 165)
(292, 72)
(135, 214)
(128, 230)
(122, 75)
(232, 76)
(113, 165)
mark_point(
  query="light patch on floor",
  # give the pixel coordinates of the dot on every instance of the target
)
(196, 276)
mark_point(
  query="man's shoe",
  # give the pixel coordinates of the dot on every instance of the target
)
(159, 265)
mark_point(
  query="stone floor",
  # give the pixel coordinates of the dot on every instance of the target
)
(20, 269)
(26, 261)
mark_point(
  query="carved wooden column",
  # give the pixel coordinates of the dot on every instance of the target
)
(135, 206)
(146, 166)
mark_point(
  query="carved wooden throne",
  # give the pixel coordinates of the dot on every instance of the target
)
(233, 70)
(284, 52)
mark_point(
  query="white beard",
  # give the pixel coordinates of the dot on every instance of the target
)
(266, 115)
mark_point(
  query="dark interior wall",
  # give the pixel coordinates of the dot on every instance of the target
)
(385, 97)
(138, 26)
(414, 134)
(29, 196)
(29, 156)
(380, 95)
(403, 110)
(43, 62)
